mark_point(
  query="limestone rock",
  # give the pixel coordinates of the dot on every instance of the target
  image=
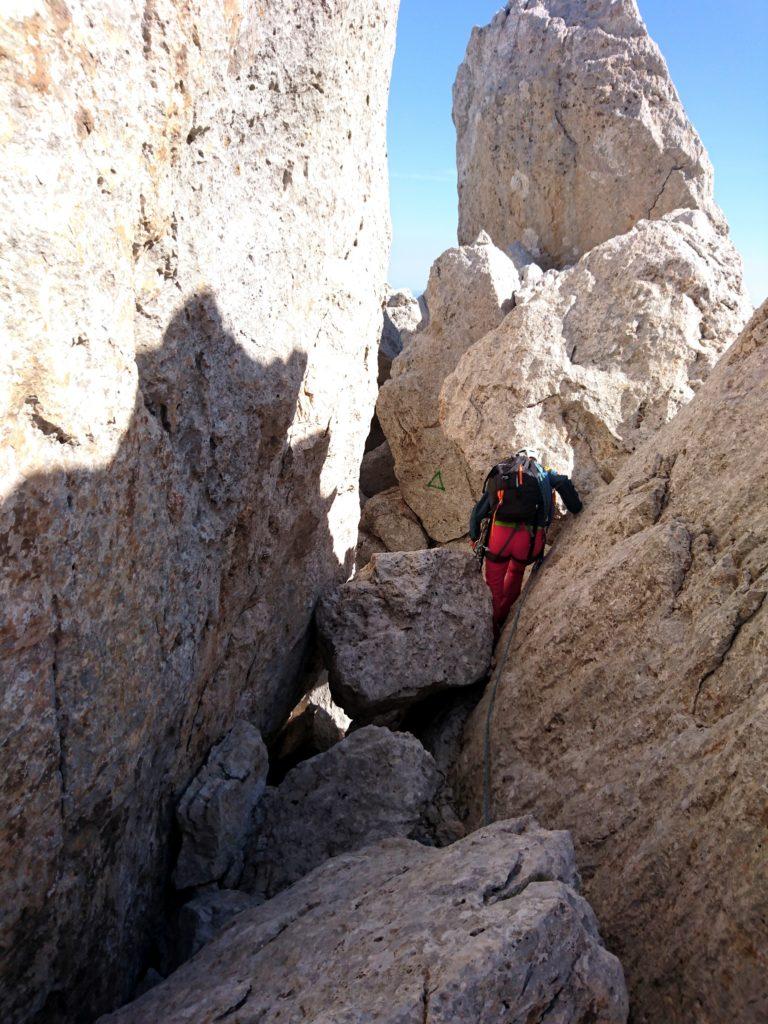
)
(570, 131)
(490, 929)
(194, 230)
(374, 785)
(215, 812)
(410, 624)
(648, 740)
(601, 355)
(388, 518)
(205, 915)
(470, 291)
(377, 470)
(403, 315)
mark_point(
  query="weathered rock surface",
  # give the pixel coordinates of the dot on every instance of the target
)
(194, 233)
(570, 131)
(648, 739)
(205, 915)
(387, 518)
(601, 355)
(215, 812)
(409, 624)
(374, 785)
(470, 291)
(377, 470)
(489, 929)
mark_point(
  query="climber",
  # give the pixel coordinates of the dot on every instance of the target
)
(508, 525)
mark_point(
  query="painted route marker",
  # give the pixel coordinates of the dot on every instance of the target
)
(436, 483)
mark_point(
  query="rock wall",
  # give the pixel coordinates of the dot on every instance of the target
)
(194, 233)
(569, 130)
(635, 710)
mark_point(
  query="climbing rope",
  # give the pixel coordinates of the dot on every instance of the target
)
(496, 678)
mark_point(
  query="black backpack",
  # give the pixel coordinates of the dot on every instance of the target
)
(516, 492)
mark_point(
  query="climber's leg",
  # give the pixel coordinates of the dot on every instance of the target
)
(521, 551)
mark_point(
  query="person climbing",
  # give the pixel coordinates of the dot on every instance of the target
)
(512, 518)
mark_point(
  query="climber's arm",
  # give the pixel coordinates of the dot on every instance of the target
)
(564, 487)
(479, 512)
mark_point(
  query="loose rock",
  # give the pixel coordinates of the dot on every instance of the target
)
(377, 470)
(373, 785)
(215, 812)
(488, 929)
(409, 624)
(205, 915)
(387, 518)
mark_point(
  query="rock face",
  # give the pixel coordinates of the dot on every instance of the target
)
(486, 930)
(469, 292)
(410, 624)
(195, 234)
(600, 356)
(649, 739)
(374, 785)
(215, 812)
(570, 131)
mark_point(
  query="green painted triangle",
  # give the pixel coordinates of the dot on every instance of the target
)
(436, 483)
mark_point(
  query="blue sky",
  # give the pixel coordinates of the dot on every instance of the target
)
(715, 50)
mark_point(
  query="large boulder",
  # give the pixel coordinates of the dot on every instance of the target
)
(601, 355)
(570, 131)
(490, 929)
(470, 291)
(634, 710)
(194, 228)
(409, 624)
(374, 785)
(214, 814)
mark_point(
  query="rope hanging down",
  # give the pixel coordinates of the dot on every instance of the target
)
(494, 688)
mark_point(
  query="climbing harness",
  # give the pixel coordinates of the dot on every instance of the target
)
(495, 686)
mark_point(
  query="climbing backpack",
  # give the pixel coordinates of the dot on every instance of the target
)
(516, 492)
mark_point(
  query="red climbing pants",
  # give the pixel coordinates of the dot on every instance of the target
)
(505, 578)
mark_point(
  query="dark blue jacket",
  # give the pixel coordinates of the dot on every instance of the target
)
(550, 481)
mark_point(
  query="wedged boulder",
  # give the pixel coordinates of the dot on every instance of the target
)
(387, 518)
(373, 785)
(570, 131)
(490, 929)
(377, 470)
(200, 919)
(635, 713)
(601, 355)
(403, 315)
(315, 725)
(470, 291)
(214, 813)
(409, 624)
